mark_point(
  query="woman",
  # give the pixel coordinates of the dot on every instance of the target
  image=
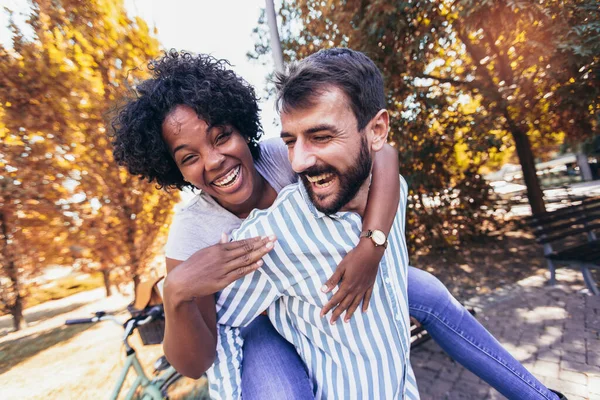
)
(195, 123)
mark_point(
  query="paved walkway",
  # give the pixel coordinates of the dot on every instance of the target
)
(553, 331)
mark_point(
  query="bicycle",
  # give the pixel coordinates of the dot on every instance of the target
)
(166, 381)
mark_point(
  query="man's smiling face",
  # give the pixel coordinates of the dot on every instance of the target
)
(326, 149)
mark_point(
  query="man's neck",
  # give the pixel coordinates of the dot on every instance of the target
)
(359, 203)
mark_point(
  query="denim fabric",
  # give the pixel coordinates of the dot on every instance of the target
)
(273, 370)
(467, 341)
(271, 367)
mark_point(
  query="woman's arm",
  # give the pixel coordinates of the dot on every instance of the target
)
(358, 269)
(190, 340)
(384, 194)
(188, 295)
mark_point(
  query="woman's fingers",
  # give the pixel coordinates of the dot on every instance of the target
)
(334, 301)
(251, 254)
(239, 246)
(239, 273)
(352, 308)
(224, 238)
(367, 299)
(343, 306)
(334, 279)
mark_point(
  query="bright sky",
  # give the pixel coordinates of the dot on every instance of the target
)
(222, 28)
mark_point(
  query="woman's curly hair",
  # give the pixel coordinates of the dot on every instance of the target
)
(201, 82)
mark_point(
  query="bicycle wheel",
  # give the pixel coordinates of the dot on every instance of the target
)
(179, 387)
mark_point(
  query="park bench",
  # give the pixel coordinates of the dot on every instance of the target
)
(568, 236)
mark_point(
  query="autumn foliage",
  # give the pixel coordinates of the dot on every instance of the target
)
(63, 198)
(469, 85)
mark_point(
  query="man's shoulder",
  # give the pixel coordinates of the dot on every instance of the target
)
(403, 184)
(288, 196)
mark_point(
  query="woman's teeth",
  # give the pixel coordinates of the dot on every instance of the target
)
(228, 179)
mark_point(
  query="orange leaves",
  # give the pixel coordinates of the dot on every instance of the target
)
(59, 185)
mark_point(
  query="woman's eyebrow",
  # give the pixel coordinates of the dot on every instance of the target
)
(180, 147)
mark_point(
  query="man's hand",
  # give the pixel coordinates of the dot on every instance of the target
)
(357, 273)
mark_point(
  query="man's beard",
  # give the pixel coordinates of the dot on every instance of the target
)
(349, 181)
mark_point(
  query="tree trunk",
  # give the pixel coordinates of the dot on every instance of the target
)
(136, 282)
(17, 313)
(106, 279)
(534, 190)
(584, 167)
(522, 143)
(12, 273)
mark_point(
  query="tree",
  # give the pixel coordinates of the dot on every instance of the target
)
(88, 56)
(531, 69)
(34, 213)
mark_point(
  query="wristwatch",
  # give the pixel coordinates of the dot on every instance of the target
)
(377, 237)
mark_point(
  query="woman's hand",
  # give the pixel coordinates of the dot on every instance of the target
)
(357, 272)
(213, 268)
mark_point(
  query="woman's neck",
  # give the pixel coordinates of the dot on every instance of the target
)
(263, 196)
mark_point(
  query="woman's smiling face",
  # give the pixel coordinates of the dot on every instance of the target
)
(215, 159)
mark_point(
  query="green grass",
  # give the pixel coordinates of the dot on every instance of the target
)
(63, 287)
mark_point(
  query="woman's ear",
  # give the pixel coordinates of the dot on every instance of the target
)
(380, 127)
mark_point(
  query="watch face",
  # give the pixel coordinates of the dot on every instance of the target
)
(378, 238)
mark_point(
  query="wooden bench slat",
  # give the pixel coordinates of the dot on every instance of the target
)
(546, 229)
(571, 232)
(563, 213)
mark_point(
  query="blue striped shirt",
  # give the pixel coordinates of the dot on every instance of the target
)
(366, 358)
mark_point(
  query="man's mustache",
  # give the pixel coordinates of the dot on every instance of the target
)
(317, 170)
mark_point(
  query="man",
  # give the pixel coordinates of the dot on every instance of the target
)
(333, 115)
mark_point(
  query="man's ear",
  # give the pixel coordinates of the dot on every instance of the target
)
(379, 128)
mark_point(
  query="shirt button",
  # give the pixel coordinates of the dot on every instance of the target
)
(398, 317)
(387, 280)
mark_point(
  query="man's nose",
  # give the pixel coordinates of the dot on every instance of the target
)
(214, 160)
(302, 157)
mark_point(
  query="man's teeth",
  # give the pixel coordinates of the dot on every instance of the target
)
(322, 177)
(229, 178)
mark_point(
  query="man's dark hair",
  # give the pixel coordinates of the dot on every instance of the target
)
(205, 84)
(349, 70)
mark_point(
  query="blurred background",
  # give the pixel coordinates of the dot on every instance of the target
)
(495, 111)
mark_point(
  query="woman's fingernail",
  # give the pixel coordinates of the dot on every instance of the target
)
(324, 288)
(259, 263)
(269, 245)
(273, 237)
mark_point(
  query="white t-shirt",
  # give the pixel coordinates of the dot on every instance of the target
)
(199, 223)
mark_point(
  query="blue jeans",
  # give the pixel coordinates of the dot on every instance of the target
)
(272, 369)
(465, 340)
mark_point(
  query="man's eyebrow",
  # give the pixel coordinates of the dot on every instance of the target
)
(320, 128)
(314, 129)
